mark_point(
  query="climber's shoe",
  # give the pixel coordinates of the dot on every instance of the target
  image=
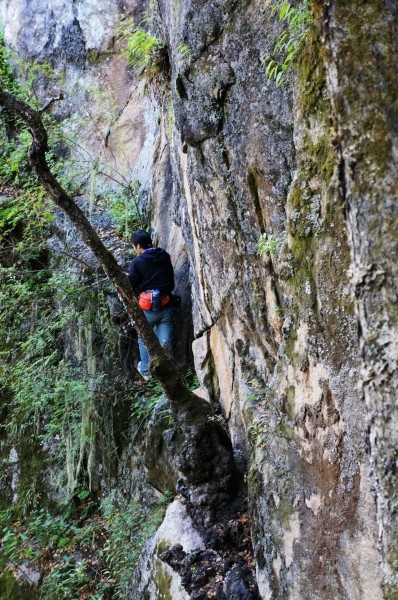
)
(145, 374)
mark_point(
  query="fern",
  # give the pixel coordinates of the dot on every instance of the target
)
(147, 54)
(297, 21)
(144, 51)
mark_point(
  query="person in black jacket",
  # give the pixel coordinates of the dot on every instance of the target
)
(151, 275)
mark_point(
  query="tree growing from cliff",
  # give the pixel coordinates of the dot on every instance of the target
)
(200, 446)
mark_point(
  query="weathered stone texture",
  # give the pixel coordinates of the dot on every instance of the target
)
(276, 341)
(364, 102)
(280, 331)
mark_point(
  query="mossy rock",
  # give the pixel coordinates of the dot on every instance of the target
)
(162, 581)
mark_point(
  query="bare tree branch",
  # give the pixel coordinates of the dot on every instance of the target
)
(162, 366)
(201, 448)
(49, 103)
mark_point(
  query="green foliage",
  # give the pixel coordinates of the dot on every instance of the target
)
(150, 395)
(20, 77)
(72, 163)
(81, 556)
(49, 381)
(49, 396)
(50, 391)
(129, 526)
(145, 400)
(259, 394)
(184, 52)
(69, 580)
(145, 52)
(124, 210)
(297, 21)
(7, 79)
(28, 201)
(191, 379)
(268, 244)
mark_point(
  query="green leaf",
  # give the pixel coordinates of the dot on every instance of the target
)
(269, 66)
(282, 13)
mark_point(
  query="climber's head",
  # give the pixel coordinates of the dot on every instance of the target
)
(141, 240)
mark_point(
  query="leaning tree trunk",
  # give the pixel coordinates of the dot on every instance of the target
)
(200, 446)
(361, 60)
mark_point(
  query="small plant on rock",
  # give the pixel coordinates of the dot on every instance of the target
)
(146, 53)
(124, 211)
(184, 52)
(297, 21)
(268, 244)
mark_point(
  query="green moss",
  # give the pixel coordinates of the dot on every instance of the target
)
(289, 344)
(31, 489)
(163, 546)
(325, 156)
(284, 512)
(390, 583)
(303, 275)
(372, 73)
(311, 85)
(289, 404)
(319, 159)
(302, 286)
(162, 581)
(313, 101)
(295, 199)
(302, 245)
(390, 592)
(93, 56)
(286, 431)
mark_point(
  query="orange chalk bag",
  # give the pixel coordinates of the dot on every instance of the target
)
(151, 300)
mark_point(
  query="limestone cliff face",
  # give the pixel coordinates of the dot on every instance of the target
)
(275, 336)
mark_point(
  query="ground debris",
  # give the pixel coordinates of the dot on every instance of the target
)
(225, 568)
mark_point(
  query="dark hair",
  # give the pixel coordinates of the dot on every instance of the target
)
(142, 238)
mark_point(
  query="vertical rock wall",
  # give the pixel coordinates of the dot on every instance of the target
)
(275, 336)
(365, 134)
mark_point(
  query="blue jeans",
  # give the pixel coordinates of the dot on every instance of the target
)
(162, 322)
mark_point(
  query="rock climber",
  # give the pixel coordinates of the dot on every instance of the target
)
(151, 275)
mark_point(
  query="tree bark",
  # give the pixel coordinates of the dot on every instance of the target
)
(201, 448)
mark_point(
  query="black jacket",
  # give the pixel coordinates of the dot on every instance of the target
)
(152, 270)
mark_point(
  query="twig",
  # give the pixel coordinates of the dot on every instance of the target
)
(80, 260)
(51, 101)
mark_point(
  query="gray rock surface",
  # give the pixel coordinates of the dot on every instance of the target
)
(275, 336)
